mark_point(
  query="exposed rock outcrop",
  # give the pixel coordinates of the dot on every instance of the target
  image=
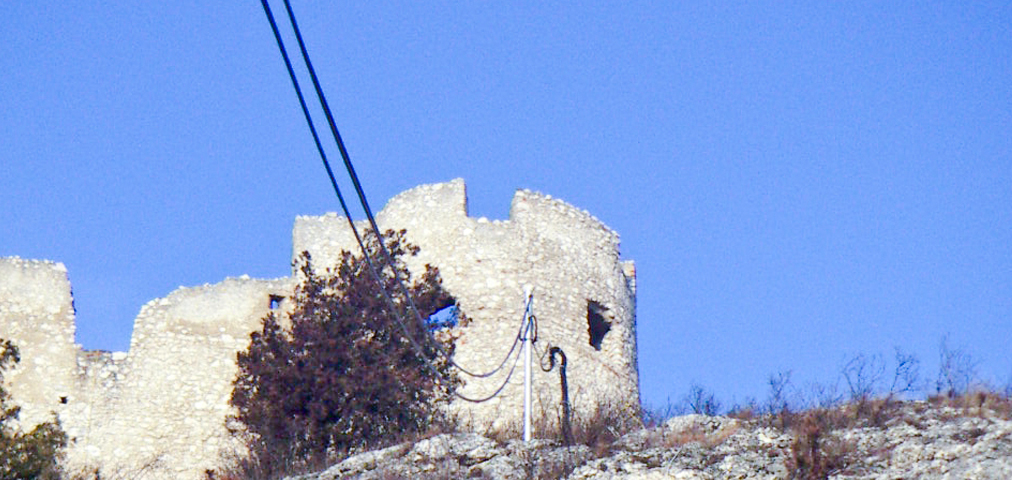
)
(916, 441)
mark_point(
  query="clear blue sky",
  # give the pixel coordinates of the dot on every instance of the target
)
(797, 184)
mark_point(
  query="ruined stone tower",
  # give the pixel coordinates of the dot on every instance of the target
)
(158, 410)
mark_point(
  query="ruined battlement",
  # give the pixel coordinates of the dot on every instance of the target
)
(568, 256)
(37, 314)
(158, 410)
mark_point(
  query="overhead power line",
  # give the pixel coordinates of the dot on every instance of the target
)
(365, 205)
(358, 185)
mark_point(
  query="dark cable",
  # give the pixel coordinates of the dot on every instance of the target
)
(330, 174)
(358, 185)
(532, 330)
(541, 358)
(344, 206)
(567, 433)
(567, 430)
(305, 111)
(326, 162)
(498, 390)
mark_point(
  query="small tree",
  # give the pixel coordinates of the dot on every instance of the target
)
(36, 454)
(343, 371)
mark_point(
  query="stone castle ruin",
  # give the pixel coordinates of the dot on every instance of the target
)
(159, 410)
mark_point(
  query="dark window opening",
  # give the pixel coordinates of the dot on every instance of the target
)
(597, 326)
(63, 400)
(276, 301)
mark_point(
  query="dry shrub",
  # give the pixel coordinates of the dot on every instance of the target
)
(150, 467)
(240, 466)
(557, 470)
(701, 401)
(745, 412)
(816, 452)
(597, 428)
(707, 440)
(869, 412)
(652, 416)
(979, 402)
(603, 425)
(342, 371)
(696, 434)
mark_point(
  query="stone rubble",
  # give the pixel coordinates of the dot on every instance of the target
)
(919, 441)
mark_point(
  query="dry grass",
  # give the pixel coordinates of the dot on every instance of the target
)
(661, 437)
(696, 435)
(816, 452)
(979, 402)
(597, 427)
(869, 412)
(603, 425)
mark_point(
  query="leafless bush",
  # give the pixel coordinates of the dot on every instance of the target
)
(701, 401)
(822, 395)
(906, 375)
(153, 464)
(695, 434)
(654, 416)
(778, 404)
(863, 374)
(597, 427)
(957, 370)
(746, 410)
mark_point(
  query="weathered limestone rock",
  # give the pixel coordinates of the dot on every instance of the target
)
(924, 442)
(462, 455)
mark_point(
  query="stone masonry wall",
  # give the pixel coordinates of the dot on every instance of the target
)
(568, 256)
(37, 314)
(158, 411)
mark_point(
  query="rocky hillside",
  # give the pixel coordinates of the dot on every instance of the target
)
(868, 440)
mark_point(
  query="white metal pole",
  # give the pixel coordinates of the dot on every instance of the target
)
(528, 306)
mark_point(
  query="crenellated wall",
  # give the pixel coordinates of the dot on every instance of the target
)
(569, 257)
(158, 411)
(37, 314)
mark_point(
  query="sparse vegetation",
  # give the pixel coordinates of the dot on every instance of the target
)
(298, 403)
(702, 401)
(605, 424)
(957, 370)
(817, 451)
(597, 427)
(812, 428)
